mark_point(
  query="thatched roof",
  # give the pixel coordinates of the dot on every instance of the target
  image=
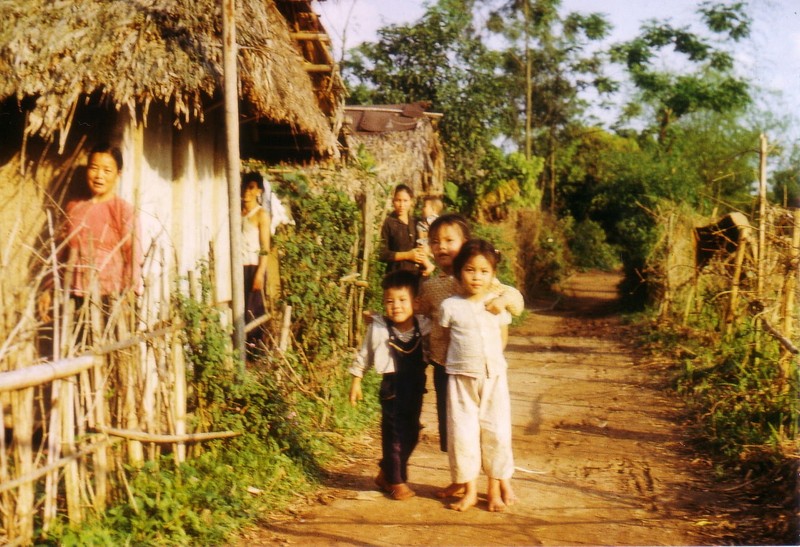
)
(136, 52)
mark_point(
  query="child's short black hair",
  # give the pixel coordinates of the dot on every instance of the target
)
(450, 219)
(401, 279)
(475, 247)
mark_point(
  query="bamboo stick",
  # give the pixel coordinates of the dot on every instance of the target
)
(37, 375)
(179, 405)
(36, 474)
(283, 344)
(101, 459)
(72, 484)
(53, 453)
(143, 436)
(22, 526)
(733, 301)
(762, 231)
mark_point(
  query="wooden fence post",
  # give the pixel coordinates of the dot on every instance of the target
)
(101, 458)
(22, 412)
(53, 454)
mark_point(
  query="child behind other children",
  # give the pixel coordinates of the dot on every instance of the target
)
(431, 209)
(393, 345)
(478, 402)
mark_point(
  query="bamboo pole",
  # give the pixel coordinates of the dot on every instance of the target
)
(179, 406)
(53, 454)
(283, 344)
(101, 458)
(762, 227)
(22, 525)
(143, 436)
(231, 94)
(71, 482)
(36, 375)
(790, 293)
(733, 301)
(6, 517)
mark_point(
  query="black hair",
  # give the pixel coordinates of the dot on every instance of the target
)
(251, 176)
(403, 188)
(401, 279)
(475, 247)
(450, 219)
(106, 147)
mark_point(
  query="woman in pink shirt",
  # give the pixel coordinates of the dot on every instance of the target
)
(101, 234)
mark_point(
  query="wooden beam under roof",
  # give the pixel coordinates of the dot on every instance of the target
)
(307, 35)
(314, 68)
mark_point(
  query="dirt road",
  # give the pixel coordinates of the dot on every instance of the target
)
(600, 459)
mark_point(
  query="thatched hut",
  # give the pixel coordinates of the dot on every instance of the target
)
(404, 141)
(147, 75)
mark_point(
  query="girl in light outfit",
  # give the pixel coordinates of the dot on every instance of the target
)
(478, 402)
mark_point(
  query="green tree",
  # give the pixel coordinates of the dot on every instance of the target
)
(706, 79)
(549, 62)
(440, 59)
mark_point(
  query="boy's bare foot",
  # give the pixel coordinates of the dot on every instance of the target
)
(382, 483)
(507, 493)
(495, 498)
(453, 489)
(401, 491)
(469, 500)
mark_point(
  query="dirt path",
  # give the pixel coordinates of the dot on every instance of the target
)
(600, 459)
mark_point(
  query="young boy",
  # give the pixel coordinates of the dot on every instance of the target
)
(393, 345)
(431, 208)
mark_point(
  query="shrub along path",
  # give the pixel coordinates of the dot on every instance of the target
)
(602, 459)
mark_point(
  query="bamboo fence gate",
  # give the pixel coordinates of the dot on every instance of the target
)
(759, 280)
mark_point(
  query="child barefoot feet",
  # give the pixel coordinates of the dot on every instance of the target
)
(401, 491)
(470, 497)
(398, 492)
(495, 498)
(507, 493)
(454, 489)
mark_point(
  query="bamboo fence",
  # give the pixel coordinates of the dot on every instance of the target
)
(99, 388)
(753, 275)
(121, 378)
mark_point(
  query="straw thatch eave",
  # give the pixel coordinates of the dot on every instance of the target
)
(132, 53)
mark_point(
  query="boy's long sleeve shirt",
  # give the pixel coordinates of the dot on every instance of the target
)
(375, 351)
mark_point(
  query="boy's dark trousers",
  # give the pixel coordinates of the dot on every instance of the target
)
(401, 404)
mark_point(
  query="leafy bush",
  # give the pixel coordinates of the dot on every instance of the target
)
(590, 249)
(315, 253)
(739, 406)
(542, 251)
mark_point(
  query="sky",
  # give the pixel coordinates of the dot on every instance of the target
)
(770, 58)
